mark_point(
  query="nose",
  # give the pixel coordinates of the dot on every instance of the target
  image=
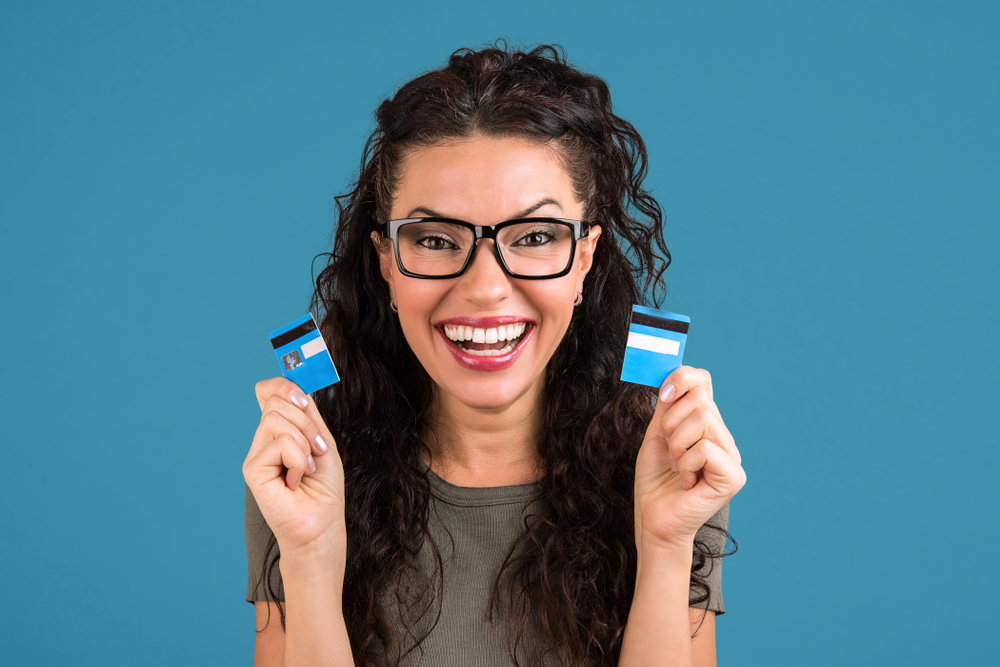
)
(484, 282)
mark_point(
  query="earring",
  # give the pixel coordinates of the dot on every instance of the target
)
(579, 299)
(392, 304)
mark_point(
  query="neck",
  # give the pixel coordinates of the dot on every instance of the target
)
(485, 447)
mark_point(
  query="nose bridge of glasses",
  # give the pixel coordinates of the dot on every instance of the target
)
(486, 232)
(492, 249)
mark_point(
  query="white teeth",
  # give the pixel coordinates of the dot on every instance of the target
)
(490, 353)
(459, 332)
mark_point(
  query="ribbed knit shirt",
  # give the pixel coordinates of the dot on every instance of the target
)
(474, 529)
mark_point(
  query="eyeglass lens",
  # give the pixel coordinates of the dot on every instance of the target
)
(442, 248)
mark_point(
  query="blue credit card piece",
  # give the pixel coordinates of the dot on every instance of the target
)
(303, 356)
(655, 345)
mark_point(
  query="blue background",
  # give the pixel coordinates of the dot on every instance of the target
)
(829, 172)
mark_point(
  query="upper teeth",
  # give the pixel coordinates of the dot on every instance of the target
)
(492, 335)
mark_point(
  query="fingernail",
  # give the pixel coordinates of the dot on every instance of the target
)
(299, 399)
(667, 392)
(321, 445)
(311, 464)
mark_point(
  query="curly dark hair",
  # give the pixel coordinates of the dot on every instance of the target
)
(571, 574)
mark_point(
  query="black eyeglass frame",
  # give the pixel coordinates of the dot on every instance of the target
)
(581, 229)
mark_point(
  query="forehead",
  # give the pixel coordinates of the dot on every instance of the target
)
(485, 180)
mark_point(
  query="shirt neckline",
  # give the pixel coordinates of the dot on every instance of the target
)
(476, 496)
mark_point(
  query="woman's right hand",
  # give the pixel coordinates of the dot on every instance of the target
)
(295, 473)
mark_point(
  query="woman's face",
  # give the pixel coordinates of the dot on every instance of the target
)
(486, 181)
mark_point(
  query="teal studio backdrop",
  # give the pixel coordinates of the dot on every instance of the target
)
(829, 174)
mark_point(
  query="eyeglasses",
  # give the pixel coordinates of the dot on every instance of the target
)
(529, 248)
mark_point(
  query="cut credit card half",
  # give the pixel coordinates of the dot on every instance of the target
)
(303, 355)
(655, 345)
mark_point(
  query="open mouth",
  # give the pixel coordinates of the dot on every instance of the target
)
(488, 341)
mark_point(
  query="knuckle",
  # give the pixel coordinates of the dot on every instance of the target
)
(291, 449)
(273, 402)
(701, 395)
(297, 443)
(265, 387)
(675, 450)
(272, 420)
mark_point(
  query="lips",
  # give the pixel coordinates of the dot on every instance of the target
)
(486, 344)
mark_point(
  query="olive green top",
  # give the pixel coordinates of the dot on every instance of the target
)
(474, 529)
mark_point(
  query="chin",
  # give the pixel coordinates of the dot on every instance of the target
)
(492, 395)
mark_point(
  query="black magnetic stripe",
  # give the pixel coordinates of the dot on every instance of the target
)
(660, 322)
(292, 334)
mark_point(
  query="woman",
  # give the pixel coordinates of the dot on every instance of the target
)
(481, 488)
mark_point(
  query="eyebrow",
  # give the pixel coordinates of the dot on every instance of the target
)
(431, 213)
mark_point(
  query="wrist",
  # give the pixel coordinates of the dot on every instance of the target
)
(317, 560)
(652, 543)
(660, 556)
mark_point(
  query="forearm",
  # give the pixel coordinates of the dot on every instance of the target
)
(315, 631)
(658, 632)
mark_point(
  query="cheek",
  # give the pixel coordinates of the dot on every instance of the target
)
(416, 301)
(556, 303)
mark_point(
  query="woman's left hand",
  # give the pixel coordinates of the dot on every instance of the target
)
(688, 466)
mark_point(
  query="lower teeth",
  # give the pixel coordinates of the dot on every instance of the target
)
(511, 344)
(489, 353)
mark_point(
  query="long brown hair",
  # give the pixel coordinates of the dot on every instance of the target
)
(571, 573)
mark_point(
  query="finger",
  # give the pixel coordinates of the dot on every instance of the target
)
(300, 420)
(281, 455)
(319, 435)
(274, 424)
(702, 424)
(694, 400)
(654, 432)
(720, 474)
(682, 380)
(279, 386)
(312, 411)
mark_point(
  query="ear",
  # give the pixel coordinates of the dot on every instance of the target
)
(586, 250)
(383, 247)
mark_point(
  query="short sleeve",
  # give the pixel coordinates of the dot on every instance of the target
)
(259, 538)
(711, 570)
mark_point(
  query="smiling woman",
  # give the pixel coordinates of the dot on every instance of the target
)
(511, 178)
(481, 488)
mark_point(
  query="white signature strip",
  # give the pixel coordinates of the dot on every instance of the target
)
(315, 346)
(649, 343)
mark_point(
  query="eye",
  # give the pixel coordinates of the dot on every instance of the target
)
(435, 243)
(534, 239)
